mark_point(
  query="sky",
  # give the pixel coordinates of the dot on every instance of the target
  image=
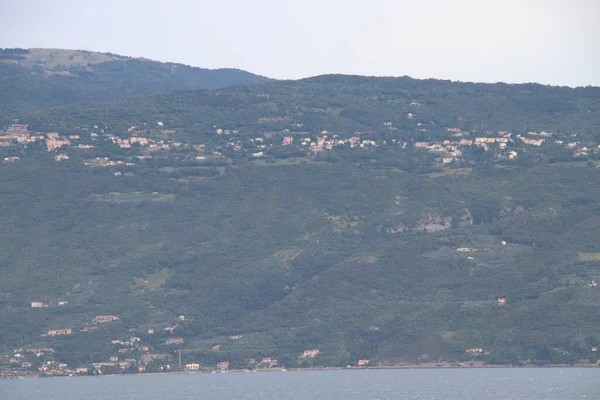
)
(553, 42)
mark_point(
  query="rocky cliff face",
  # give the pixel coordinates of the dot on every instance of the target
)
(508, 211)
(433, 222)
(465, 218)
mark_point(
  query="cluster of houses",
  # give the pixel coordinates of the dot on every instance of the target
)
(310, 353)
(131, 354)
(15, 133)
(448, 150)
(451, 150)
(41, 304)
(327, 141)
(99, 319)
(19, 134)
(146, 143)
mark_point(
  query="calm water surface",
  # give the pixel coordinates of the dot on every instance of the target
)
(464, 384)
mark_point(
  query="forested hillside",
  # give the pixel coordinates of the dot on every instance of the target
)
(383, 219)
(415, 109)
(51, 77)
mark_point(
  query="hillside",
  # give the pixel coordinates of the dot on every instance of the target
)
(397, 107)
(39, 78)
(383, 219)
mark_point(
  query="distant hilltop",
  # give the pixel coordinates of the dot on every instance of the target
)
(41, 78)
(53, 58)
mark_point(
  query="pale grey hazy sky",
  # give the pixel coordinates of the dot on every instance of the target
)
(547, 41)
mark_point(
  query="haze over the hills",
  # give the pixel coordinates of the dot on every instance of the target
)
(551, 42)
(158, 216)
(330, 221)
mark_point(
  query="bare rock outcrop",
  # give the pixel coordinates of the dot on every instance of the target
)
(429, 223)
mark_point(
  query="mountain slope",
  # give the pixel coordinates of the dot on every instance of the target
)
(296, 258)
(347, 104)
(39, 78)
(228, 208)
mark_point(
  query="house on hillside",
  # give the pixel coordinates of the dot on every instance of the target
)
(175, 340)
(56, 332)
(149, 357)
(267, 362)
(99, 319)
(192, 367)
(53, 144)
(223, 365)
(309, 353)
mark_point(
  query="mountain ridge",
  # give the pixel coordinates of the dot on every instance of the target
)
(43, 78)
(57, 57)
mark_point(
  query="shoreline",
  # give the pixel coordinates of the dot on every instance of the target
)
(355, 368)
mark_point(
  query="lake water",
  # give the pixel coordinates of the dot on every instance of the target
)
(464, 384)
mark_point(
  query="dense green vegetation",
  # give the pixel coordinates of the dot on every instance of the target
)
(378, 254)
(346, 104)
(263, 252)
